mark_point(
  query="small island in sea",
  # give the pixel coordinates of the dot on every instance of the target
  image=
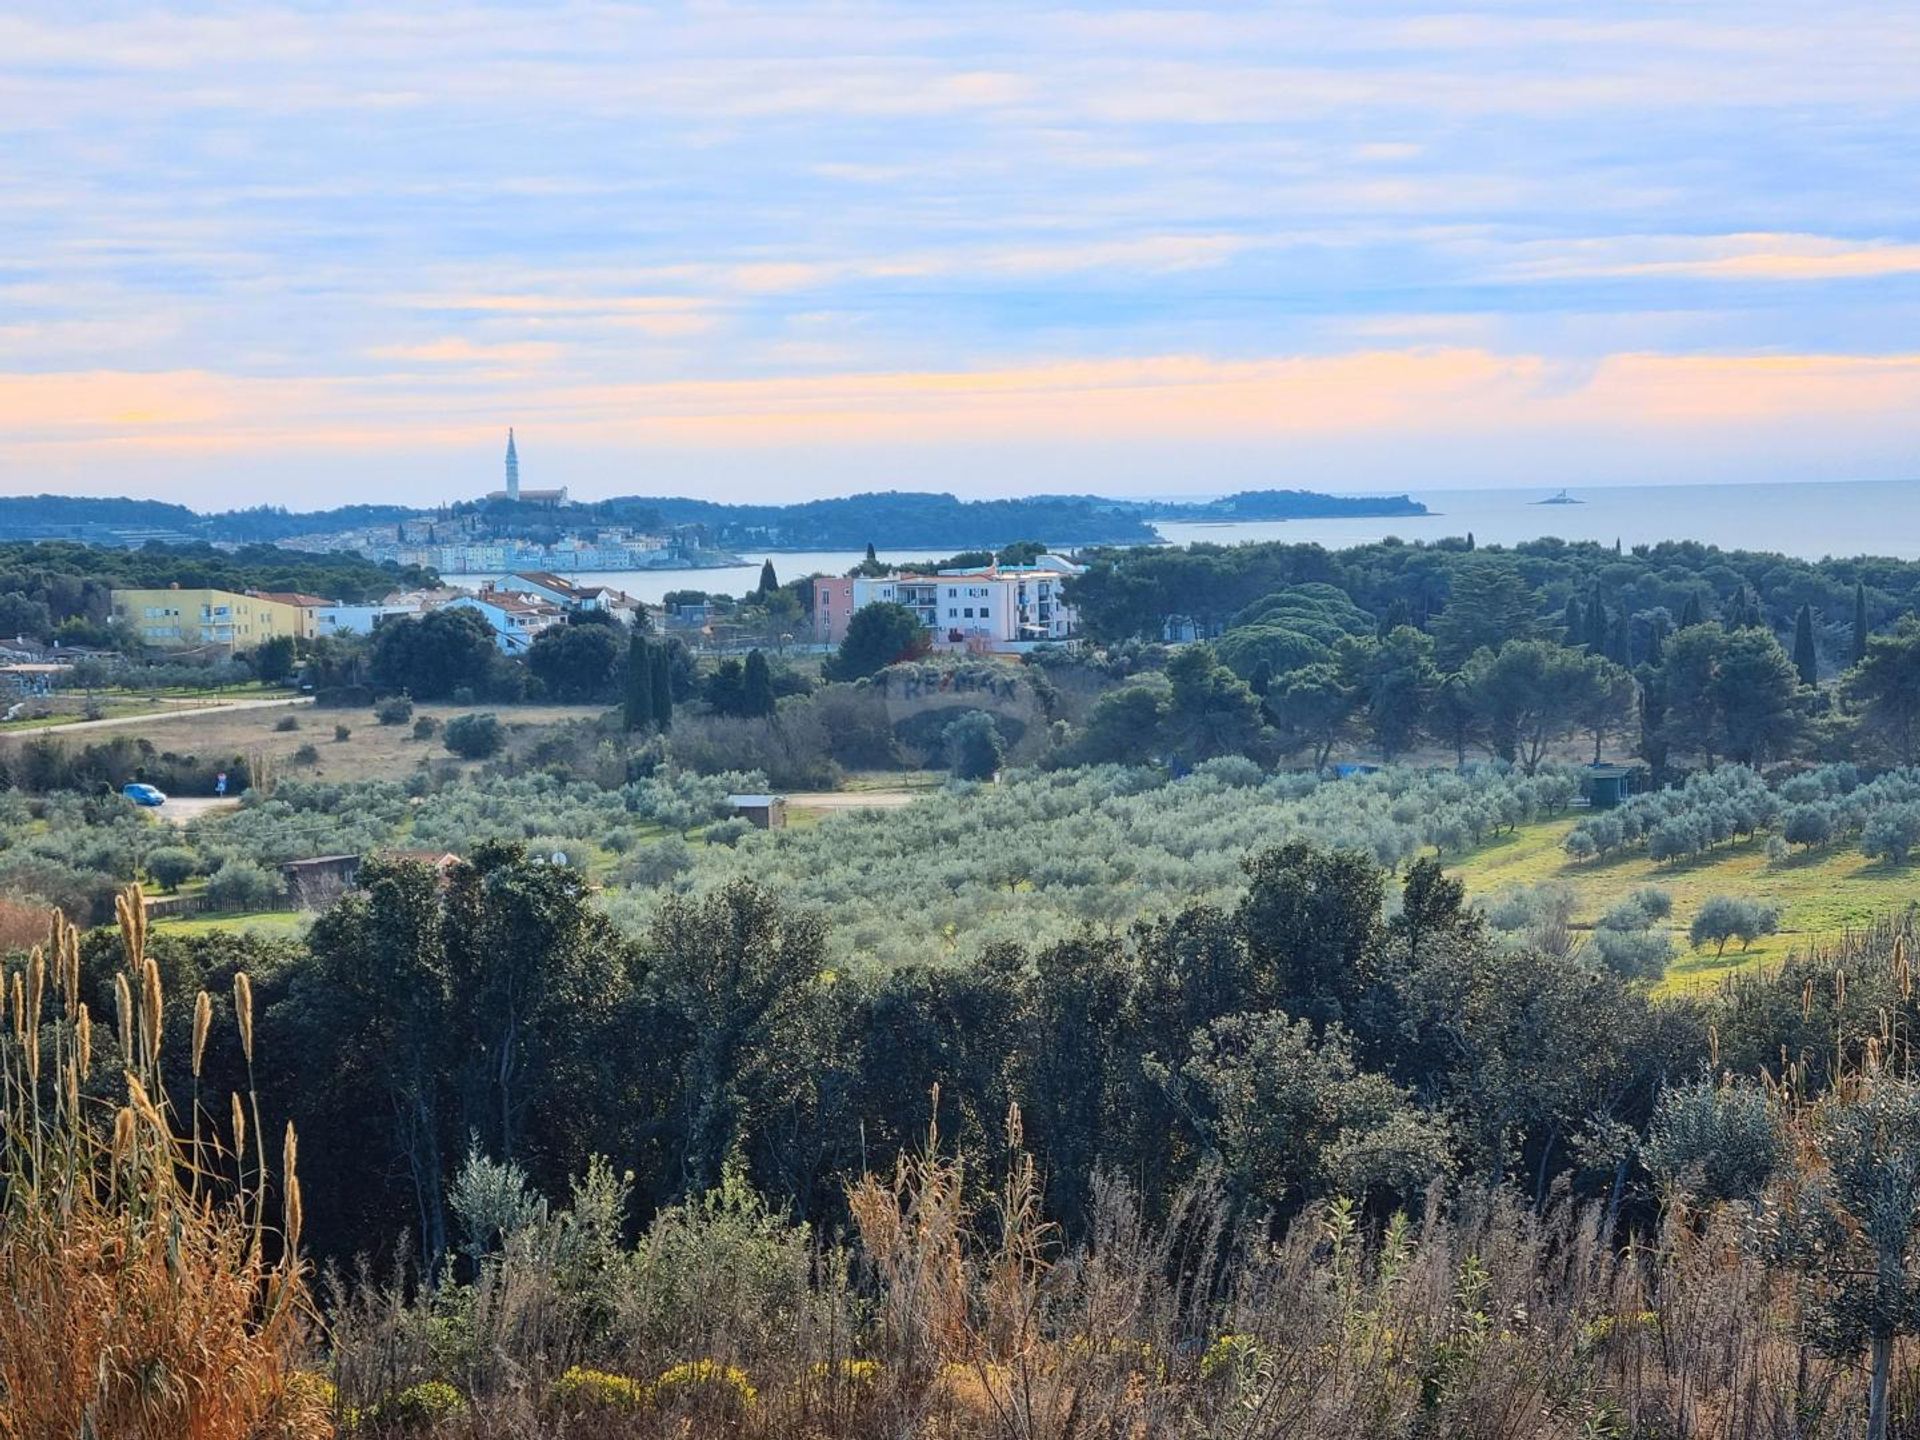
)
(1563, 498)
(1281, 505)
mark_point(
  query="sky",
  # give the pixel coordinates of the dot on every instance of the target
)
(319, 254)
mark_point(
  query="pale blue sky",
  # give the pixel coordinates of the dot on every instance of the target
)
(313, 254)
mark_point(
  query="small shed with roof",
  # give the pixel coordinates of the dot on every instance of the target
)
(765, 812)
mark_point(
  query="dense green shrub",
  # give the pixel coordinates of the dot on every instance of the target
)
(975, 749)
(171, 866)
(241, 885)
(475, 737)
(419, 1408)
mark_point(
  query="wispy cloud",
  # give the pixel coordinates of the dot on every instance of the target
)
(1758, 257)
(455, 350)
(794, 237)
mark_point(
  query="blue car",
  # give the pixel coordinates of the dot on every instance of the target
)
(143, 794)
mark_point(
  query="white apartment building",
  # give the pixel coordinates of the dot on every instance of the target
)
(994, 607)
(569, 595)
(514, 619)
(357, 619)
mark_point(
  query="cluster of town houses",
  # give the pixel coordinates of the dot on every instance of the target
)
(984, 609)
(516, 608)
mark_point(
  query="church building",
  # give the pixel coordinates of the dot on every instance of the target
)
(513, 494)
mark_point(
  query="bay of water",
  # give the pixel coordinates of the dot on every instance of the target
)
(1808, 521)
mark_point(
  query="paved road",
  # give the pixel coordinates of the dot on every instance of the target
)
(69, 727)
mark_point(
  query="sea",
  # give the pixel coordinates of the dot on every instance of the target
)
(1809, 521)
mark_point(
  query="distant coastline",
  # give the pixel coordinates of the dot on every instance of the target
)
(698, 533)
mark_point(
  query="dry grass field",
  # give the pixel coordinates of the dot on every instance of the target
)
(372, 751)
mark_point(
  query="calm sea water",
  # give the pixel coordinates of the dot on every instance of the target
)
(1809, 521)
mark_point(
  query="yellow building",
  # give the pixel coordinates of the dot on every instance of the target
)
(185, 619)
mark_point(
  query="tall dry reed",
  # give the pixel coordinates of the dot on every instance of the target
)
(150, 1286)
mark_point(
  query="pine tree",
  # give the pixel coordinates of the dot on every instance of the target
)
(769, 582)
(1805, 659)
(1859, 621)
(662, 687)
(757, 697)
(638, 706)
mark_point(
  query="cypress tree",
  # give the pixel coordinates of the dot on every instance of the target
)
(1691, 613)
(757, 696)
(1656, 642)
(769, 582)
(872, 558)
(1620, 639)
(638, 707)
(1469, 540)
(1805, 659)
(1596, 636)
(1575, 621)
(1653, 722)
(1859, 621)
(662, 687)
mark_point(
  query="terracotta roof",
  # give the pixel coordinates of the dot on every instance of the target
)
(292, 597)
(544, 577)
(520, 604)
(439, 859)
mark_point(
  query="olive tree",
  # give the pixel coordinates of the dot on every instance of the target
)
(1714, 1143)
(1729, 917)
(1850, 1221)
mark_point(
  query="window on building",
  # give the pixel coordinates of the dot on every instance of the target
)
(983, 612)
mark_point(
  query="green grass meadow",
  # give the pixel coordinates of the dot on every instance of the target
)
(1821, 893)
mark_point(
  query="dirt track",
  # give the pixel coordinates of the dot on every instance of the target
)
(120, 722)
(854, 799)
(179, 809)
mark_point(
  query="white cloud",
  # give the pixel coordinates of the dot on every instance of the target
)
(373, 217)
